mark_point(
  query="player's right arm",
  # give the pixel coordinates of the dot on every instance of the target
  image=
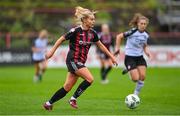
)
(118, 42)
(50, 53)
(123, 35)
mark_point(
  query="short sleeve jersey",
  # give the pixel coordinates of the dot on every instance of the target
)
(135, 42)
(79, 43)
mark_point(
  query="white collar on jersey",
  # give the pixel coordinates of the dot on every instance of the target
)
(83, 28)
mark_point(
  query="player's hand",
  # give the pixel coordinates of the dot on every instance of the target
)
(48, 55)
(116, 52)
(114, 61)
(149, 55)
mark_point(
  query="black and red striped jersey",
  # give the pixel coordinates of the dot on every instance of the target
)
(79, 43)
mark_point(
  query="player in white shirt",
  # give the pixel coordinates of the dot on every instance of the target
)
(38, 56)
(136, 45)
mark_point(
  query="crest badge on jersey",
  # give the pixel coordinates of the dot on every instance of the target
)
(72, 30)
(90, 35)
(129, 67)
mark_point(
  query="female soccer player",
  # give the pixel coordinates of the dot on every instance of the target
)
(106, 64)
(80, 40)
(39, 49)
(136, 44)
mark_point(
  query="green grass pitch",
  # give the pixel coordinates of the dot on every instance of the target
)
(19, 95)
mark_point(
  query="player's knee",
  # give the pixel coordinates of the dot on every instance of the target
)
(67, 87)
(90, 80)
(43, 68)
(110, 65)
(134, 79)
(142, 77)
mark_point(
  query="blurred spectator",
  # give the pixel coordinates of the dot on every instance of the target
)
(39, 49)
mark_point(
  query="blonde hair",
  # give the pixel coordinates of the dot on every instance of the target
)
(138, 16)
(43, 34)
(82, 13)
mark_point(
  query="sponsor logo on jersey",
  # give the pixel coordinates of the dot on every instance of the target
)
(84, 42)
(80, 63)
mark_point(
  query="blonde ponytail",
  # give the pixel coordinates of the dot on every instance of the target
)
(81, 13)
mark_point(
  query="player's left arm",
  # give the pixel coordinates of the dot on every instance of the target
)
(105, 50)
(147, 51)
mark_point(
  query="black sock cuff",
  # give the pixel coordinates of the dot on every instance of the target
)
(82, 87)
(102, 69)
(109, 67)
(58, 95)
(86, 83)
(64, 90)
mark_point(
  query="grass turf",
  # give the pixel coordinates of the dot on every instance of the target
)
(19, 95)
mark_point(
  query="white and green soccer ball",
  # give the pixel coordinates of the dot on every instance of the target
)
(132, 101)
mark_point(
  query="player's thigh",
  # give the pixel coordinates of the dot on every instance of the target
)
(134, 74)
(71, 79)
(131, 66)
(142, 72)
(85, 74)
(36, 65)
(102, 62)
(109, 62)
(44, 62)
(103, 57)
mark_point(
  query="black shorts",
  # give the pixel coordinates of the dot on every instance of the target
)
(131, 62)
(72, 66)
(38, 61)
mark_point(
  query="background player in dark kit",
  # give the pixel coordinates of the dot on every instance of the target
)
(106, 65)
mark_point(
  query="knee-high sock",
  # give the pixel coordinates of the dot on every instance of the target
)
(106, 71)
(102, 72)
(58, 95)
(139, 85)
(82, 87)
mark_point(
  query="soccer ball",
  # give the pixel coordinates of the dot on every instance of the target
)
(132, 101)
